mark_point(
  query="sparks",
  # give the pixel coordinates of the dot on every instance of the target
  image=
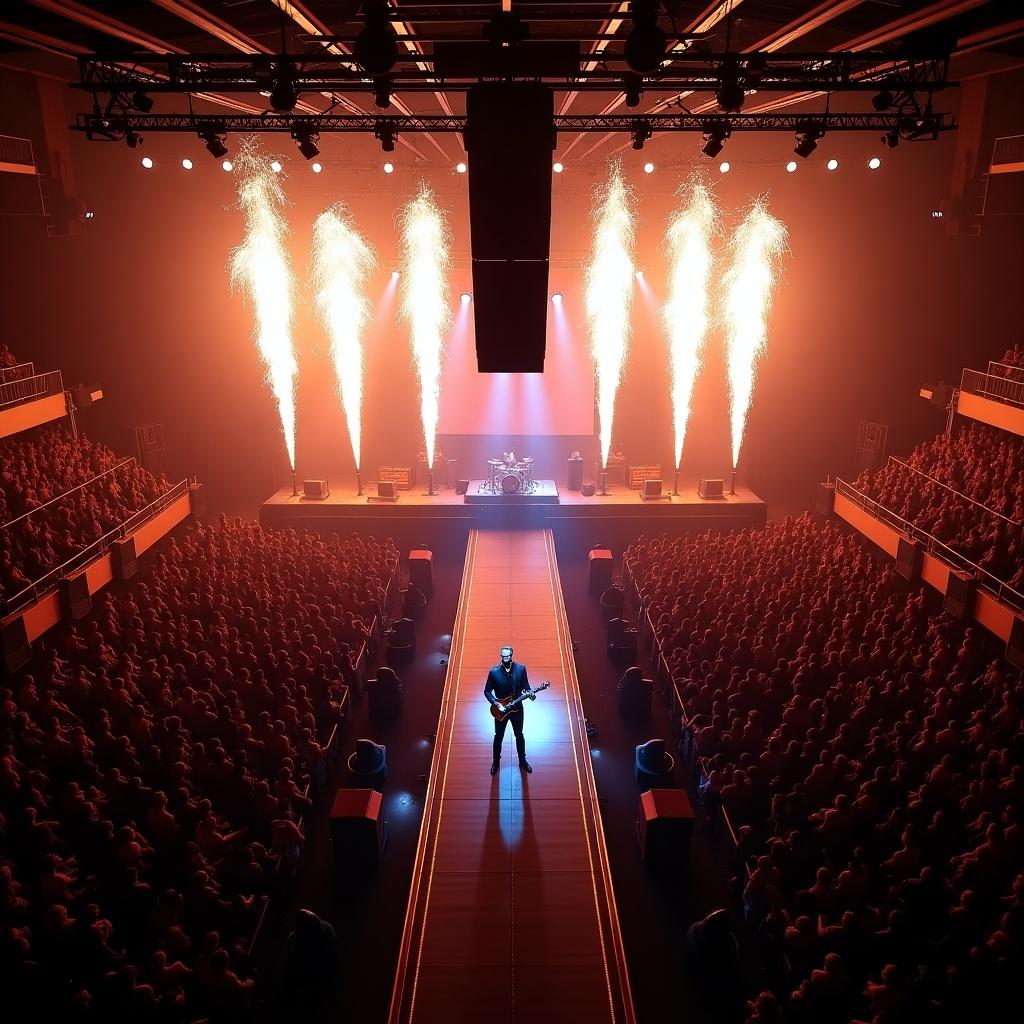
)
(260, 265)
(425, 301)
(609, 295)
(342, 263)
(685, 315)
(756, 248)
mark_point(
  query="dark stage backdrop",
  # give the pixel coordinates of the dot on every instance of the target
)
(875, 298)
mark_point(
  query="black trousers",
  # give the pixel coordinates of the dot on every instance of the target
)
(516, 718)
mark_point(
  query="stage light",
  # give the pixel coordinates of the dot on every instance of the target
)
(646, 43)
(283, 94)
(648, 167)
(386, 135)
(639, 275)
(633, 89)
(142, 102)
(730, 93)
(376, 46)
(214, 143)
(460, 167)
(725, 167)
(892, 138)
(394, 275)
(558, 167)
(640, 134)
(883, 101)
(132, 138)
(791, 166)
(714, 141)
(556, 298)
(316, 167)
(466, 298)
(382, 92)
(275, 166)
(832, 164)
(874, 163)
(227, 165)
(147, 162)
(187, 164)
(389, 167)
(307, 143)
(806, 141)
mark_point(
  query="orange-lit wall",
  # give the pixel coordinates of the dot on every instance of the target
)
(995, 617)
(31, 414)
(1006, 417)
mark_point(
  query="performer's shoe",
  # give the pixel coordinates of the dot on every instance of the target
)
(526, 766)
(494, 767)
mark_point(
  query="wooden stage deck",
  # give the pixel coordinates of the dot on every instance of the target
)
(511, 914)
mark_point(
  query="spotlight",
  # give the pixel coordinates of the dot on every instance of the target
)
(633, 88)
(466, 297)
(724, 167)
(714, 140)
(646, 43)
(227, 165)
(806, 141)
(386, 135)
(394, 275)
(791, 166)
(558, 167)
(883, 101)
(389, 167)
(316, 167)
(275, 166)
(142, 102)
(147, 162)
(307, 143)
(382, 92)
(640, 134)
(639, 275)
(187, 164)
(832, 164)
(892, 138)
(460, 167)
(730, 93)
(376, 46)
(214, 144)
(874, 163)
(283, 94)
(556, 298)
(648, 167)
(132, 138)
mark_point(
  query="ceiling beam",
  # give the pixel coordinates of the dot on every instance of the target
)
(99, 22)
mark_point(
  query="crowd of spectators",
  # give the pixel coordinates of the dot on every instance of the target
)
(58, 495)
(1014, 357)
(154, 773)
(871, 760)
(7, 357)
(931, 487)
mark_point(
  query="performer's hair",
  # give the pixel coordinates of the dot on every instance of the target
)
(506, 647)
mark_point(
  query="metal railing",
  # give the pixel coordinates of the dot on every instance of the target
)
(42, 586)
(26, 389)
(19, 371)
(1006, 370)
(998, 588)
(952, 490)
(999, 389)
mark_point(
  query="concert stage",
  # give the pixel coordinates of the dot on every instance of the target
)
(613, 518)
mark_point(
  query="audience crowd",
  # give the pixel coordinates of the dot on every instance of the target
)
(871, 760)
(155, 771)
(1014, 357)
(7, 357)
(59, 494)
(981, 463)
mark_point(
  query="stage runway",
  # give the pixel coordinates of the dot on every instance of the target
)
(511, 914)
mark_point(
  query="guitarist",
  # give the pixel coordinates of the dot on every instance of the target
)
(505, 682)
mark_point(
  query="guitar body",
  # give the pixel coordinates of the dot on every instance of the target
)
(510, 708)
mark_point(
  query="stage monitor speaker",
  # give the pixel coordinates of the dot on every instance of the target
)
(908, 558)
(17, 648)
(386, 491)
(710, 489)
(197, 501)
(599, 565)
(959, 596)
(461, 486)
(315, 490)
(664, 826)
(825, 500)
(589, 489)
(76, 597)
(509, 139)
(651, 490)
(421, 569)
(359, 830)
(126, 562)
(1015, 645)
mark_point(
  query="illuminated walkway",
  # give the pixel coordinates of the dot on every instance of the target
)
(511, 915)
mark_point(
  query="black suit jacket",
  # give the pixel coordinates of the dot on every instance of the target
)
(501, 687)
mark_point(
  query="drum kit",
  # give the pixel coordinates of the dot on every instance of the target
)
(510, 475)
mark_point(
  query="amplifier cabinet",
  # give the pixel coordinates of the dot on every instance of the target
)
(400, 476)
(636, 475)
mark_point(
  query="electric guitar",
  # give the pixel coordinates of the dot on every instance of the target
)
(512, 704)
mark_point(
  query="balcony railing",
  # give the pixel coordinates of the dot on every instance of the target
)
(19, 371)
(27, 389)
(1006, 370)
(988, 385)
(999, 589)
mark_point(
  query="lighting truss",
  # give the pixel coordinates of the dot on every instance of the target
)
(114, 127)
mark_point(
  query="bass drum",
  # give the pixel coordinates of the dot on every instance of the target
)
(511, 483)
